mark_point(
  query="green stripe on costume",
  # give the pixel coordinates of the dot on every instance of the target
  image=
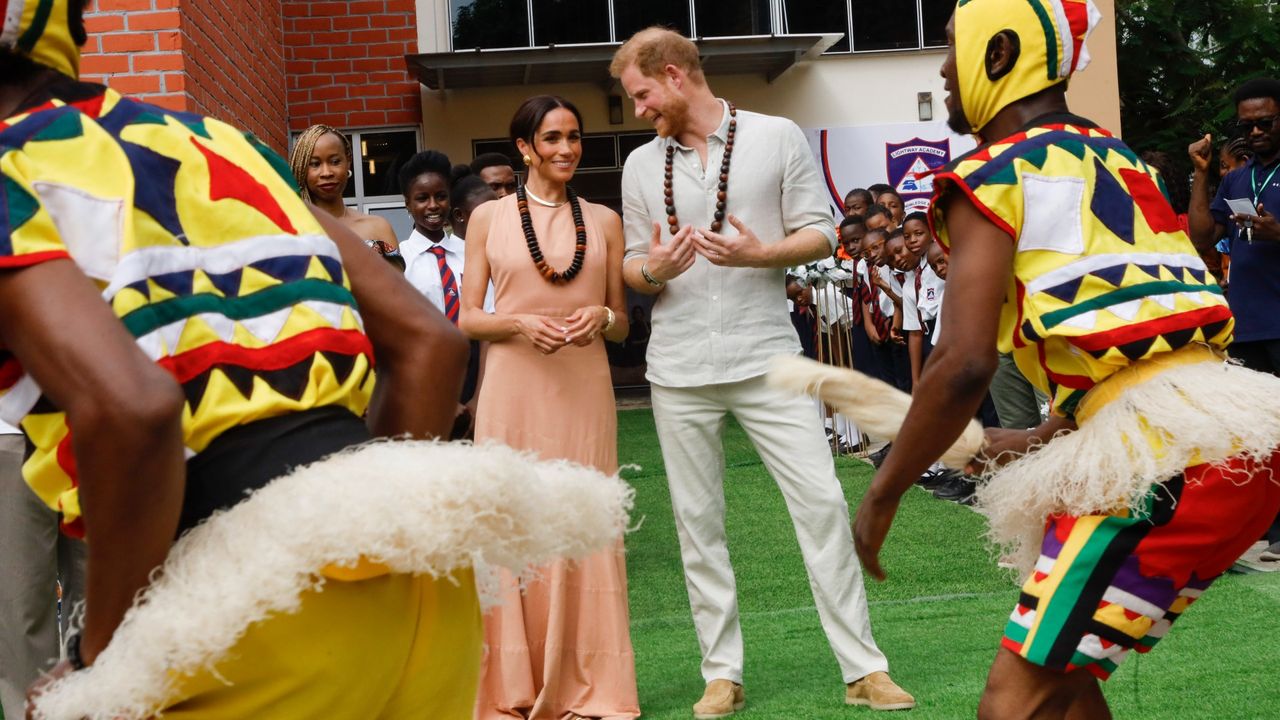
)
(152, 317)
(1015, 632)
(1050, 37)
(1052, 617)
(1122, 295)
(28, 41)
(1081, 660)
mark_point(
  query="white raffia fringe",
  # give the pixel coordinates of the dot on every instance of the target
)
(418, 507)
(875, 406)
(1205, 412)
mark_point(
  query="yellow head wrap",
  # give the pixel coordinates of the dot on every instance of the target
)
(1051, 36)
(41, 30)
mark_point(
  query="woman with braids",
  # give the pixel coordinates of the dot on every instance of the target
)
(321, 163)
(561, 648)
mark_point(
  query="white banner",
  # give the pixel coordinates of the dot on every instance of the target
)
(900, 155)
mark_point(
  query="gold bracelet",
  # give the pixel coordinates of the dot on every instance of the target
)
(608, 325)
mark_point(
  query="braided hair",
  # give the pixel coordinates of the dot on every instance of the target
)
(303, 147)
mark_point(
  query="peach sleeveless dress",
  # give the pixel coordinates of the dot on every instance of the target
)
(564, 645)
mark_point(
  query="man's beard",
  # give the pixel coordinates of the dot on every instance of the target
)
(958, 123)
(676, 117)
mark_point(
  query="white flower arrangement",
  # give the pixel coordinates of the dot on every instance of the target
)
(828, 271)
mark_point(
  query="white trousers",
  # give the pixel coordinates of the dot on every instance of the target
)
(788, 435)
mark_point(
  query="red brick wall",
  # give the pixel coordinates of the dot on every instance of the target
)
(344, 63)
(222, 58)
(135, 46)
(268, 66)
(235, 64)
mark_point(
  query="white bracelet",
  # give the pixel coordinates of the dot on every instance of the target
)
(608, 325)
(644, 272)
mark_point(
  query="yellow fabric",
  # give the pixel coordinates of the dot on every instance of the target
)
(1106, 392)
(40, 30)
(362, 570)
(195, 234)
(1103, 275)
(1051, 36)
(397, 646)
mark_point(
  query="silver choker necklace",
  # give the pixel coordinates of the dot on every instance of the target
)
(540, 201)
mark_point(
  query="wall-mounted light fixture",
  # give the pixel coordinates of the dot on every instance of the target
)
(925, 102)
(615, 109)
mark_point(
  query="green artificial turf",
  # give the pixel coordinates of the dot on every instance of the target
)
(938, 617)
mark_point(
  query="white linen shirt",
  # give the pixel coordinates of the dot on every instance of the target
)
(720, 324)
(423, 272)
(927, 303)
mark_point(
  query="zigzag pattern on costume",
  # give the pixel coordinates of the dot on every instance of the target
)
(199, 242)
(1103, 276)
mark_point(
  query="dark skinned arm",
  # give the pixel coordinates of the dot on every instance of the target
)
(1205, 232)
(956, 377)
(125, 413)
(421, 356)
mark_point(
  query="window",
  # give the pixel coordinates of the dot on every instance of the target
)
(935, 14)
(489, 24)
(377, 156)
(631, 17)
(380, 155)
(725, 18)
(874, 25)
(820, 16)
(877, 24)
(557, 22)
(885, 25)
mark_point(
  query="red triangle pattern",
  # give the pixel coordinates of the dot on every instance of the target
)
(229, 181)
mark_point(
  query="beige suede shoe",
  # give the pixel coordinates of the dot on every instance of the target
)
(721, 699)
(878, 691)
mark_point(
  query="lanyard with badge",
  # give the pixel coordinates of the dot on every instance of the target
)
(1257, 195)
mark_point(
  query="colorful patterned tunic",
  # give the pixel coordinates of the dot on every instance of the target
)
(198, 241)
(1103, 275)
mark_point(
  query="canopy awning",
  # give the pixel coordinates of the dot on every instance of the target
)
(766, 55)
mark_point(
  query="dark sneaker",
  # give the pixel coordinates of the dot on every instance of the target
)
(877, 457)
(932, 479)
(957, 488)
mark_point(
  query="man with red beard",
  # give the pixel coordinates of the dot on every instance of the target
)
(713, 247)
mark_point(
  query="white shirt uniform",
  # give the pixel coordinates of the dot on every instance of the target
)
(423, 271)
(925, 304)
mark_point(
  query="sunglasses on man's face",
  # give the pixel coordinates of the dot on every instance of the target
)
(1264, 124)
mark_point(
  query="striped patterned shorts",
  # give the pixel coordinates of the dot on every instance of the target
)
(1108, 584)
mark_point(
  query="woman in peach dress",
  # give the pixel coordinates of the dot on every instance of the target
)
(562, 648)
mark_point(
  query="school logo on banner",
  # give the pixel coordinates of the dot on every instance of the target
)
(910, 166)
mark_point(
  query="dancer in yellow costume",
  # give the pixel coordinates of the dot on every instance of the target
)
(1156, 469)
(177, 330)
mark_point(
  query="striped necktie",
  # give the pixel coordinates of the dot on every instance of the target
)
(448, 284)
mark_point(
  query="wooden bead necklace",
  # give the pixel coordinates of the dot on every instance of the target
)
(549, 273)
(722, 194)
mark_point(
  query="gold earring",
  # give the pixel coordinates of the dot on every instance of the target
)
(527, 160)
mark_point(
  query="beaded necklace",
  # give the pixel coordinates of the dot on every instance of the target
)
(722, 195)
(550, 274)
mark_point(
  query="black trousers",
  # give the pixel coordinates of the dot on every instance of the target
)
(248, 457)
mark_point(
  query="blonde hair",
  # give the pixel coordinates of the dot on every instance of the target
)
(304, 147)
(654, 48)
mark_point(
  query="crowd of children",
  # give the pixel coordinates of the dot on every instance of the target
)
(887, 323)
